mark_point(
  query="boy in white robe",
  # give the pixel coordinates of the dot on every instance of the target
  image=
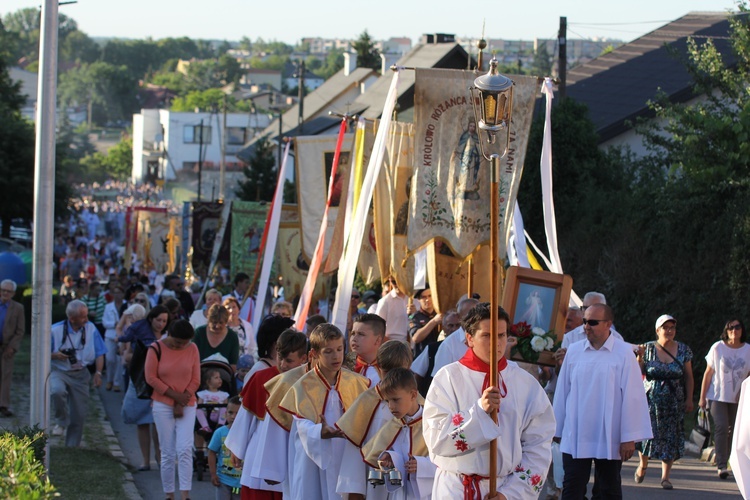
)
(458, 428)
(367, 335)
(317, 398)
(363, 420)
(399, 444)
(244, 436)
(274, 453)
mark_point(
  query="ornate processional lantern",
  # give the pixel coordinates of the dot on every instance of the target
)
(492, 99)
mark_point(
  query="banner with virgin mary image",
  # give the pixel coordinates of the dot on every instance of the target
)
(450, 198)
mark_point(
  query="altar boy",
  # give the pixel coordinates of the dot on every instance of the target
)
(458, 428)
(317, 400)
(367, 335)
(364, 418)
(399, 444)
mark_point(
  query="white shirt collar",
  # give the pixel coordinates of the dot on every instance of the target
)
(608, 344)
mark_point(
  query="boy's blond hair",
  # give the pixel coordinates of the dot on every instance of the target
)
(322, 334)
(393, 354)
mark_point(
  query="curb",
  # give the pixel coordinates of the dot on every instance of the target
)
(131, 491)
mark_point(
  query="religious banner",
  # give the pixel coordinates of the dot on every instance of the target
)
(314, 161)
(391, 206)
(157, 241)
(205, 225)
(292, 266)
(368, 264)
(451, 196)
(248, 221)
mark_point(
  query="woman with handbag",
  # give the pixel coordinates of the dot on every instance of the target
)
(728, 365)
(173, 371)
(134, 410)
(667, 365)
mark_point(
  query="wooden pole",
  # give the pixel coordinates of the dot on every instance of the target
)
(470, 278)
(494, 301)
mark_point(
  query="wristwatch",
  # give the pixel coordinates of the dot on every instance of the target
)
(99, 373)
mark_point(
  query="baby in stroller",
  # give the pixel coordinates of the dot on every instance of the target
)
(217, 386)
(211, 402)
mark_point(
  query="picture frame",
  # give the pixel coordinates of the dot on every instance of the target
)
(538, 299)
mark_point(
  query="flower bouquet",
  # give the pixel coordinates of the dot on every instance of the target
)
(533, 344)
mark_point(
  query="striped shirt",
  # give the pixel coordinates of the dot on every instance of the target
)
(96, 307)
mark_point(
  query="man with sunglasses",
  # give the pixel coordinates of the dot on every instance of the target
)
(577, 334)
(600, 408)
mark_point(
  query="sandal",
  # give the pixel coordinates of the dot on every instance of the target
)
(666, 484)
(639, 479)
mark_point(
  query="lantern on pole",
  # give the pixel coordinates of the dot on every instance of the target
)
(492, 99)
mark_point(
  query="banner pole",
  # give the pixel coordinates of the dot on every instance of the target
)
(494, 302)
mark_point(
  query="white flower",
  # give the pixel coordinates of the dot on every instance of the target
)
(550, 343)
(538, 331)
(538, 344)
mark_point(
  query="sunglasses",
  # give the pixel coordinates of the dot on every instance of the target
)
(593, 322)
(734, 327)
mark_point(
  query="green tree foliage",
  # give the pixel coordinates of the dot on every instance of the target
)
(333, 63)
(206, 100)
(542, 63)
(107, 90)
(367, 55)
(260, 174)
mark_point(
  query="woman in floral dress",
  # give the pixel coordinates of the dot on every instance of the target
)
(667, 365)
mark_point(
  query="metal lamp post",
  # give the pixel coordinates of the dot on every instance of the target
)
(492, 99)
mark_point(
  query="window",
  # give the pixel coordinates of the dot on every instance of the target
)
(191, 134)
(236, 136)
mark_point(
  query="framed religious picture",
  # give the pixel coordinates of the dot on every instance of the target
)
(537, 303)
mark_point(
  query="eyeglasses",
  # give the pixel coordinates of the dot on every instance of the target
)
(730, 327)
(140, 301)
(355, 296)
(593, 322)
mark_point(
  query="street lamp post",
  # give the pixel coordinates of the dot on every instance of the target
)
(492, 100)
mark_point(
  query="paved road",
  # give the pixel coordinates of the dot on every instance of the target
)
(148, 483)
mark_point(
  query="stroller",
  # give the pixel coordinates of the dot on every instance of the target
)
(214, 414)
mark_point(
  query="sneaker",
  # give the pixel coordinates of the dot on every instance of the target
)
(58, 430)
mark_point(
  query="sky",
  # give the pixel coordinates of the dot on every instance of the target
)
(291, 20)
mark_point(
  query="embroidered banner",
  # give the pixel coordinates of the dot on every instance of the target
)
(205, 224)
(391, 206)
(248, 221)
(314, 160)
(450, 199)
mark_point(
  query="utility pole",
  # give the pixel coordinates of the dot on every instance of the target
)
(301, 97)
(562, 61)
(44, 202)
(222, 160)
(200, 159)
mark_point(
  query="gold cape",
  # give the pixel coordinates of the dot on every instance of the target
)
(387, 435)
(277, 388)
(308, 396)
(356, 422)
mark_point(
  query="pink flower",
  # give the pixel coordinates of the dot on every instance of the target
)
(461, 445)
(427, 192)
(457, 419)
(536, 479)
(519, 468)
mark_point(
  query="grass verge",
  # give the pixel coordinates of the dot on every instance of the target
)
(86, 474)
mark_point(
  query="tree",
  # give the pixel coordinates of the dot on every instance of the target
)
(206, 100)
(333, 63)
(260, 174)
(110, 88)
(542, 63)
(708, 141)
(367, 55)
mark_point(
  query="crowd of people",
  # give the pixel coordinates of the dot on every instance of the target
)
(398, 405)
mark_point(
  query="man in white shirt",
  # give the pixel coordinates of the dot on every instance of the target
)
(392, 308)
(578, 334)
(454, 347)
(600, 408)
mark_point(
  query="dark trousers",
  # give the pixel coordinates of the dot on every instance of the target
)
(607, 481)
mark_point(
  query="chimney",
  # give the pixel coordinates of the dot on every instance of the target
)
(350, 62)
(387, 60)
